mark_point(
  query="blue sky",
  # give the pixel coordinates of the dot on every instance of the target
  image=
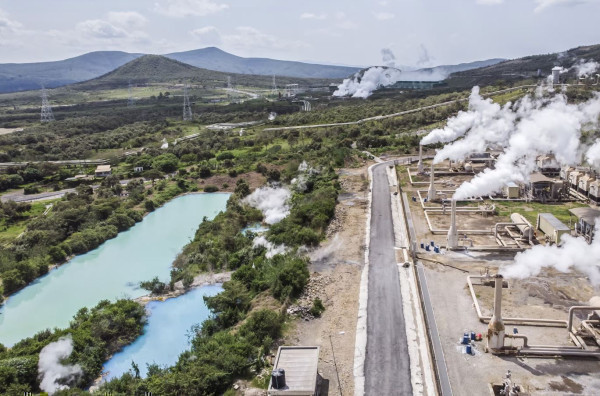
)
(352, 32)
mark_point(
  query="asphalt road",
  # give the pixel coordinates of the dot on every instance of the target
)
(387, 366)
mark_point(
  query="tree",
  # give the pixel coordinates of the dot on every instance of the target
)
(166, 163)
(152, 174)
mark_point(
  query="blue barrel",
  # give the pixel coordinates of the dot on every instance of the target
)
(422, 245)
(424, 199)
(469, 349)
(473, 336)
(436, 249)
(427, 247)
(465, 339)
(414, 199)
(432, 243)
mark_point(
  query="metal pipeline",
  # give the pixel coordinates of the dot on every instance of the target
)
(578, 308)
(594, 333)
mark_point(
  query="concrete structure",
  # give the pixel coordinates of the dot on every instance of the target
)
(548, 165)
(512, 190)
(420, 164)
(586, 222)
(452, 231)
(103, 171)
(552, 227)
(431, 193)
(495, 334)
(300, 365)
(556, 74)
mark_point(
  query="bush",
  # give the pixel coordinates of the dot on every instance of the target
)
(154, 286)
(317, 308)
(211, 189)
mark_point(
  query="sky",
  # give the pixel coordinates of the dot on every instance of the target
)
(416, 33)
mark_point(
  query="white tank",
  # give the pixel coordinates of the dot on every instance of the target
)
(526, 230)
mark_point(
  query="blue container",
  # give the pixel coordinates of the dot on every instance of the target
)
(473, 336)
(427, 247)
(414, 199)
(469, 349)
(436, 249)
(424, 199)
(465, 340)
(422, 245)
(432, 243)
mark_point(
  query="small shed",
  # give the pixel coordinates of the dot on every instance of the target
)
(138, 169)
(300, 366)
(552, 227)
(103, 171)
(586, 221)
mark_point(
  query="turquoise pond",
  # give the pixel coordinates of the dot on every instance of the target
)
(111, 271)
(166, 334)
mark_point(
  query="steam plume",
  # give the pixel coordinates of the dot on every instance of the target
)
(272, 249)
(585, 69)
(573, 253)
(53, 373)
(273, 202)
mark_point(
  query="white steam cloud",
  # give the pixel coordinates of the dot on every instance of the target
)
(50, 368)
(304, 172)
(272, 249)
(542, 127)
(573, 253)
(592, 155)
(388, 57)
(480, 113)
(272, 202)
(585, 69)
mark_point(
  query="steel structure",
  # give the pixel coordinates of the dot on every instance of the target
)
(46, 114)
(187, 108)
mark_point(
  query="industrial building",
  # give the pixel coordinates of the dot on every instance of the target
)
(543, 188)
(547, 165)
(295, 371)
(553, 228)
(586, 221)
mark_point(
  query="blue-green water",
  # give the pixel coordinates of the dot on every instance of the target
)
(165, 334)
(111, 271)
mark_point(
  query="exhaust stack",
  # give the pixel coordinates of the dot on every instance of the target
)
(431, 193)
(420, 164)
(452, 242)
(495, 335)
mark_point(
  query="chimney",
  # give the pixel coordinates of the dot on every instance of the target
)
(495, 335)
(420, 164)
(452, 231)
(431, 192)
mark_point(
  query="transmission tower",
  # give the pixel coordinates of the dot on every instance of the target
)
(130, 101)
(229, 82)
(47, 115)
(187, 108)
(274, 86)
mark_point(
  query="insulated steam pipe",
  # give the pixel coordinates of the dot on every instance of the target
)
(578, 308)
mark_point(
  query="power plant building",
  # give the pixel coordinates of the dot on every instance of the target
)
(586, 222)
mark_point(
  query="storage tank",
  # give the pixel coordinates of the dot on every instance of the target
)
(523, 225)
(556, 74)
(278, 378)
(551, 227)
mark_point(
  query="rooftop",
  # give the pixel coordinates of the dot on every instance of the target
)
(588, 215)
(103, 168)
(300, 365)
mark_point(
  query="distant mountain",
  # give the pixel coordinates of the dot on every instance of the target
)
(526, 67)
(215, 59)
(25, 76)
(160, 69)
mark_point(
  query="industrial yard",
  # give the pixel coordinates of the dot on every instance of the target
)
(463, 244)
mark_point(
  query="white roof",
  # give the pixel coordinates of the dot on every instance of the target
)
(103, 168)
(300, 365)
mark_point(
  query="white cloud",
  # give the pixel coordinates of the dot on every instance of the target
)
(7, 24)
(98, 28)
(343, 22)
(185, 8)
(309, 15)
(543, 4)
(208, 35)
(128, 19)
(489, 2)
(249, 38)
(383, 16)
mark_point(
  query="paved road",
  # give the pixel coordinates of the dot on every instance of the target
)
(387, 366)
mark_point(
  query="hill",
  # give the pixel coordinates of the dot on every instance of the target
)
(150, 69)
(215, 59)
(526, 67)
(25, 76)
